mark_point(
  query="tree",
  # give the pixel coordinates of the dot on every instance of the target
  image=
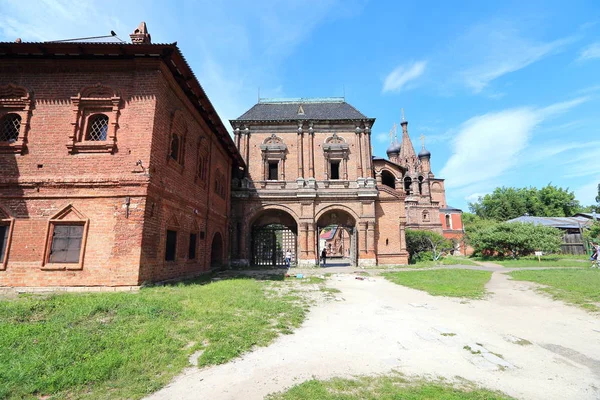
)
(421, 242)
(508, 203)
(515, 239)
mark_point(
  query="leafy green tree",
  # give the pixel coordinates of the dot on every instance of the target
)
(508, 203)
(515, 239)
(421, 242)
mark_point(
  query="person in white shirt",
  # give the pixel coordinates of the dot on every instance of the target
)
(288, 258)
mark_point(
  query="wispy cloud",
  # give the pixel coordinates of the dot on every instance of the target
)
(402, 75)
(590, 52)
(382, 137)
(487, 146)
(489, 50)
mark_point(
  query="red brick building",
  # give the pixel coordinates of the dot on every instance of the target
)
(115, 166)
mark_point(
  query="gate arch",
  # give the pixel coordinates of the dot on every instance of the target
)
(337, 235)
(274, 231)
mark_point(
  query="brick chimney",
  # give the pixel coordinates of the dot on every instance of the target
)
(140, 35)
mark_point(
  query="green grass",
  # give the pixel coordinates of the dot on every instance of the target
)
(444, 282)
(126, 345)
(394, 387)
(576, 286)
(559, 261)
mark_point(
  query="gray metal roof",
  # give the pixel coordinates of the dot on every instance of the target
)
(450, 209)
(331, 108)
(555, 222)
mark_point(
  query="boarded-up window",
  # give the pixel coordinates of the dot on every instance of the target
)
(66, 243)
(192, 248)
(171, 246)
(4, 228)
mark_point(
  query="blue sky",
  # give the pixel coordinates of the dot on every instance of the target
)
(506, 93)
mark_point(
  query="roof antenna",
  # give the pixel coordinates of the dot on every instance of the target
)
(112, 34)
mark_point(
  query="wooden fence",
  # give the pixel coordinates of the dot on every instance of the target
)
(573, 243)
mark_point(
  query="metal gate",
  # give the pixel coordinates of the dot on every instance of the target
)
(269, 244)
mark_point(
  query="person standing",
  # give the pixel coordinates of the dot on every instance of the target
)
(595, 254)
(324, 255)
(288, 258)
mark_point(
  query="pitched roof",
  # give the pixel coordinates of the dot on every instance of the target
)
(555, 222)
(331, 108)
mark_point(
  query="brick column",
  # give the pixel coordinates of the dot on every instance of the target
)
(300, 151)
(363, 238)
(368, 158)
(359, 161)
(311, 151)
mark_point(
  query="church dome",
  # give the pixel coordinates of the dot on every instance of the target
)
(424, 153)
(394, 148)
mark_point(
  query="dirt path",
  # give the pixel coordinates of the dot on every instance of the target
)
(382, 326)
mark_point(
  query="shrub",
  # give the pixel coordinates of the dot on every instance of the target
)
(431, 243)
(515, 239)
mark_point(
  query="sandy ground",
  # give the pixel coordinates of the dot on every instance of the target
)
(380, 326)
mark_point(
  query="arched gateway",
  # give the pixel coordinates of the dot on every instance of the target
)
(338, 236)
(273, 233)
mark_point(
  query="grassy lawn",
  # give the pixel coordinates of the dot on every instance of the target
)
(546, 261)
(444, 282)
(384, 388)
(576, 286)
(126, 345)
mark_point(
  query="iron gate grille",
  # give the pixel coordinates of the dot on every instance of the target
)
(269, 244)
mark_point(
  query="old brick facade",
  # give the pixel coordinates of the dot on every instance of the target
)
(310, 167)
(115, 166)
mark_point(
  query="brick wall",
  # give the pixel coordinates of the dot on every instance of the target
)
(124, 242)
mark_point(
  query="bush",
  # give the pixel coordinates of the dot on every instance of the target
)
(426, 245)
(515, 239)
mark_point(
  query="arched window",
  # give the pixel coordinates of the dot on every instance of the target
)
(10, 125)
(425, 216)
(407, 184)
(175, 147)
(97, 128)
(448, 221)
(420, 185)
(388, 179)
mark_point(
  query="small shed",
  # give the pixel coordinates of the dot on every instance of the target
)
(573, 242)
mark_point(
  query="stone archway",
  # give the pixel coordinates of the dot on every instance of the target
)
(273, 233)
(216, 251)
(337, 234)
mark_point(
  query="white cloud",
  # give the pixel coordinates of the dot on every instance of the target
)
(487, 146)
(590, 52)
(402, 75)
(489, 50)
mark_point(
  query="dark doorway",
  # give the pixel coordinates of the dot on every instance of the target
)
(337, 235)
(216, 251)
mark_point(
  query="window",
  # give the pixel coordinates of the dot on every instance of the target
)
(4, 230)
(335, 170)
(448, 221)
(175, 144)
(425, 216)
(95, 121)
(65, 240)
(407, 184)
(192, 247)
(15, 114)
(388, 179)
(201, 171)
(10, 125)
(420, 185)
(171, 246)
(97, 128)
(66, 243)
(273, 170)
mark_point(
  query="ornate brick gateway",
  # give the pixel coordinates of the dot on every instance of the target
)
(311, 171)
